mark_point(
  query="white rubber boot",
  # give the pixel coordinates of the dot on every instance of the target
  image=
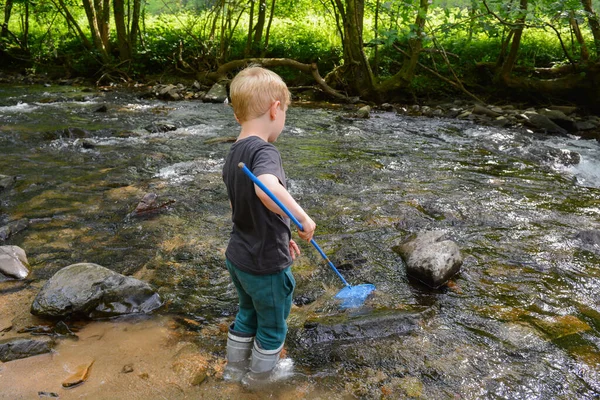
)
(263, 363)
(239, 351)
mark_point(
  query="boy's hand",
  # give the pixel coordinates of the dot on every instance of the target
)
(294, 250)
(309, 229)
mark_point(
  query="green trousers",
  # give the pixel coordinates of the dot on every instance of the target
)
(265, 302)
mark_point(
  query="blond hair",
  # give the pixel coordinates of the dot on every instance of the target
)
(253, 91)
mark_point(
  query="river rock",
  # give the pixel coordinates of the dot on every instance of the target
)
(556, 156)
(6, 182)
(430, 258)
(363, 112)
(13, 262)
(324, 334)
(589, 237)
(481, 110)
(17, 348)
(543, 123)
(568, 110)
(149, 206)
(167, 92)
(160, 127)
(559, 118)
(92, 291)
(216, 94)
(586, 125)
(13, 228)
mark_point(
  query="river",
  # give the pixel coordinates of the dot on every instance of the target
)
(520, 321)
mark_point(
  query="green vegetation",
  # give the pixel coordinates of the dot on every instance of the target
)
(382, 47)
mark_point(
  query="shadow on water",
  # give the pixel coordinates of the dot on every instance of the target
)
(521, 320)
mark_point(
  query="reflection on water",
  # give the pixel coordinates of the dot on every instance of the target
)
(522, 320)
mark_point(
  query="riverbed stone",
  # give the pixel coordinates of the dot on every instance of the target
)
(561, 326)
(13, 228)
(559, 118)
(430, 258)
(13, 262)
(326, 331)
(6, 182)
(217, 93)
(93, 291)
(363, 112)
(541, 122)
(589, 237)
(568, 110)
(586, 125)
(17, 348)
(481, 110)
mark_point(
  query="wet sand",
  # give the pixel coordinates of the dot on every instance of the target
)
(148, 357)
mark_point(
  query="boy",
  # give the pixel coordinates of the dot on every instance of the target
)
(260, 250)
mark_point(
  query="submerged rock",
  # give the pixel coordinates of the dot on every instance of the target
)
(92, 291)
(17, 348)
(430, 258)
(344, 328)
(591, 237)
(148, 206)
(323, 338)
(6, 182)
(160, 127)
(590, 240)
(13, 262)
(13, 228)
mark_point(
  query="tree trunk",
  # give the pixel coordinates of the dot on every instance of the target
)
(259, 27)
(356, 71)
(376, 34)
(415, 44)
(25, 40)
(7, 11)
(135, 25)
(511, 59)
(105, 23)
(264, 50)
(121, 27)
(93, 21)
(585, 55)
(250, 23)
(223, 37)
(594, 23)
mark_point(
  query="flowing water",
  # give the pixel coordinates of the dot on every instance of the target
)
(521, 320)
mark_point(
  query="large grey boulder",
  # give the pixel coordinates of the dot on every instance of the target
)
(17, 348)
(216, 94)
(430, 258)
(13, 262)
(92, 291)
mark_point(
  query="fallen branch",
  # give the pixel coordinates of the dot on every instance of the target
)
(222, 72)
(458, 84)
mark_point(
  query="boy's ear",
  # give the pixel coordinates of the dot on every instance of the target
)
(273, 109)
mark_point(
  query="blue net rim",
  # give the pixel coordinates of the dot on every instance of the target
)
(354, 296)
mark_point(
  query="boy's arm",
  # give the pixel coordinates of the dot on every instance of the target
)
(272, 183)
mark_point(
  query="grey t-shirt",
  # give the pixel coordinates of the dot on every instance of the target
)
(259, 241)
